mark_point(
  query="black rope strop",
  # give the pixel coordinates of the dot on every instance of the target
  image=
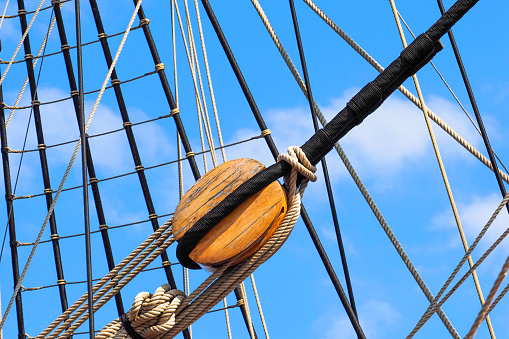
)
(124, 319)
(366, 101)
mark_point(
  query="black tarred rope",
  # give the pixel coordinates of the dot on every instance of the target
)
(324, 163)
(90, 163)
(360, 106)
(33, 84)
(475, 109)
(307, 221)
(367, 100)
(83, 138)
(411, 59)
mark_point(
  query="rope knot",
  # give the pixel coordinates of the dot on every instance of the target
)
(150, 316)
(299, 162)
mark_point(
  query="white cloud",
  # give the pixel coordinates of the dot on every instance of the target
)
(376, 318)
(393, 138)
(474, 215)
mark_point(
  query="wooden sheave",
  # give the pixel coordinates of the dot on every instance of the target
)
(242, 232)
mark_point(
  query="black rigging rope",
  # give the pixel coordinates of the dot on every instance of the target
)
(323, 161)
(84, 144)
(411, 59)
(6, 168)
(475, 109)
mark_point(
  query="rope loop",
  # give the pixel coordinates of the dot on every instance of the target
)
(159, 67)
(300, 163)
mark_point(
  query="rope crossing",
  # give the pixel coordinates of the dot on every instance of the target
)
(167, 312)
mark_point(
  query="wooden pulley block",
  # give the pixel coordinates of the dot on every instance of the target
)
(242, 232)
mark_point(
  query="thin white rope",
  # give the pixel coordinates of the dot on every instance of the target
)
(248, 313)
(227, 318)
(61, 186)
(20, 43)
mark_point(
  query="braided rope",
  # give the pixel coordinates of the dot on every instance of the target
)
(150, 314)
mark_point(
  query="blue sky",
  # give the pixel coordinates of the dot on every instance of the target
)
(391, 151)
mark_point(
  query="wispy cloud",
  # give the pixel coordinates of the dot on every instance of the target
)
(377, 319)
(393, 139)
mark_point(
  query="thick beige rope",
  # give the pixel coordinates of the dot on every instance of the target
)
(153, 242)
(442, 170)
(150, 314)
(221, 282)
